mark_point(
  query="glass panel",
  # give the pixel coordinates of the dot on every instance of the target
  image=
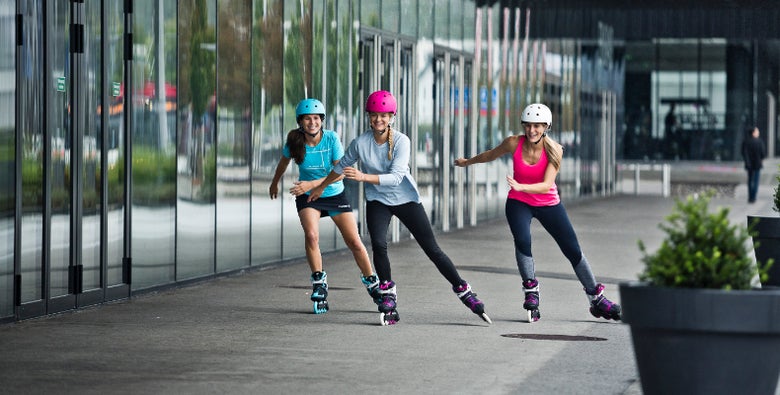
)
(424, 30)
(469, 24)
(432, 172)
(268, 131)
(390, 15)
(449, 155)
(7, 155)
(371, 13)
(409, 10)
(690, 97)
(297, 85)
(234, 131)
(153, 137)
(93, 142)
(466, 139)
(59, 139)
(113, 142)
(324, 66)
(30, 125)
(196, 184)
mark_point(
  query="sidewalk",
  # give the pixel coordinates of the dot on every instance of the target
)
(254, 333)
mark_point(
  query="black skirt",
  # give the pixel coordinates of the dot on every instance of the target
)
(332, 205)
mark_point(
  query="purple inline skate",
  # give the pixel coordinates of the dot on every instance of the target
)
(600, 306)
(388, 315)
(531, 304)
(469, 298)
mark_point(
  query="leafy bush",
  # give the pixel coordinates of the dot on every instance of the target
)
(702, 250)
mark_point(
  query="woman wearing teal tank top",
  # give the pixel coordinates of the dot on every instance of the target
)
(315, 151)
(536, 159)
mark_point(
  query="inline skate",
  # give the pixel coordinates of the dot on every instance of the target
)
(531, 304)
(319, 292)
(388, 315)
(372, 286)
(469, 298)
(601, 307)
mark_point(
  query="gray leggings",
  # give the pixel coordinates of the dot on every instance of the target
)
(555, 220)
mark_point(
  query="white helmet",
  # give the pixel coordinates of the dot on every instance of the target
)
(537, 113)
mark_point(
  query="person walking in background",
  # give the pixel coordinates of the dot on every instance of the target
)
(534, 194)
(315, 151)
(390, 191)
(753, 153)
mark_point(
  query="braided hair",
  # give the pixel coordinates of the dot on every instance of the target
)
(390, 143)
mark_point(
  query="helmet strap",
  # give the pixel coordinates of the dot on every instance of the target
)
(312, 135)
(540, 138)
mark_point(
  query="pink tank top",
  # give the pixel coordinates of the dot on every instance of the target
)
(532, 174)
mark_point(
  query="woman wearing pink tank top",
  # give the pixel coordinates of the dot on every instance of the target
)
(533, 193)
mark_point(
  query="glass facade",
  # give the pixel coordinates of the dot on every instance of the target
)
(8, 161)
(139, 154)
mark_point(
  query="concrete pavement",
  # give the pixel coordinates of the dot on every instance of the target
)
(254, 333)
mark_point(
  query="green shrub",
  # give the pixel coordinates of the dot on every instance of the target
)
(702, 250)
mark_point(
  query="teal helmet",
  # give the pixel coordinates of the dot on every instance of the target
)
(310, 106)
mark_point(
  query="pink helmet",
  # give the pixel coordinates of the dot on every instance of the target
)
(381, 101)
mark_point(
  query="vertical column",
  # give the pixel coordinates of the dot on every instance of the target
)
(77, 114)
(128, 127)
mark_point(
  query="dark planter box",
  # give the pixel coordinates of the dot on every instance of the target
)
(768, 239)
(704, 341)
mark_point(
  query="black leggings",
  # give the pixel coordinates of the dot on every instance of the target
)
(413, 216)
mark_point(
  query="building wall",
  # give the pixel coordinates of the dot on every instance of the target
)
(175, 135)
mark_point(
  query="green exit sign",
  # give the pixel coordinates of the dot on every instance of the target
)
(114, 89)
(60, 84)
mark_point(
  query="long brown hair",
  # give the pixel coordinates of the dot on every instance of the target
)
(296, 142)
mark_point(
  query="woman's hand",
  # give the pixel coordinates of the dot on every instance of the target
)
(300, 187)
(315, 193)
(461, 162)
(273, 191)
(354, 174)
(514, 184)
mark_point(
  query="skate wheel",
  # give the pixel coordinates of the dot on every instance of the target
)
(321, 307)
(390, 318)
(533, 316)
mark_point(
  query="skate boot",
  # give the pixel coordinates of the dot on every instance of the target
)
(531, 304)
(372, 286)
(469, 298)
(388, 315)
(319, 292)
(601, 307)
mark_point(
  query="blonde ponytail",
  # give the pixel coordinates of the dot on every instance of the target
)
(553, 154)
(390, 143)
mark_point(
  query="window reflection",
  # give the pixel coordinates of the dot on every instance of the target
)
(196, 145)
(297, 85)
(59, 136)
(30, 127)
(154, 104)
(234, 131)
(114, 144)
(268, 131)
(92, 152)
(7, 156)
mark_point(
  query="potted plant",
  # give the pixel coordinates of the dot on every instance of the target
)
(766, 237)
(697, 324)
